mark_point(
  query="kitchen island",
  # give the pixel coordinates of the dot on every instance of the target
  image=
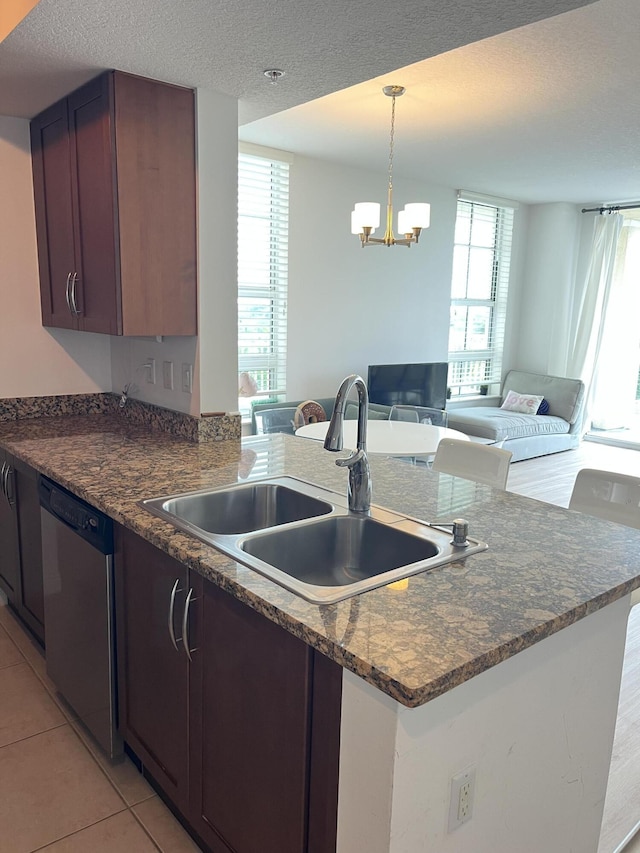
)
(508, 661)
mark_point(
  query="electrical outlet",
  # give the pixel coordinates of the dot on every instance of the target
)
(150, 367)
(462, 793)
(167, 374)
(187, 378)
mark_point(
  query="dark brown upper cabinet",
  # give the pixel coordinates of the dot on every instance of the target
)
(115, 203)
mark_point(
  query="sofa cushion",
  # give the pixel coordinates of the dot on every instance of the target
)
(564, 395)
(498, 424)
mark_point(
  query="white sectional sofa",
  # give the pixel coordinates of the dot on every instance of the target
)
(527, 436)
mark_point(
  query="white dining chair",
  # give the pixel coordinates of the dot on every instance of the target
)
(614, 497)
(605, 494)
(480, 462)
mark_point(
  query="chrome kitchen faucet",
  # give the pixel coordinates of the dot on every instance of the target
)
(359, 485)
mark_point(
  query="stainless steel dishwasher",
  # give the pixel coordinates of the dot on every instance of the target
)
(77, 550)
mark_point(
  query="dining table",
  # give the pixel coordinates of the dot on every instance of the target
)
(388, 438)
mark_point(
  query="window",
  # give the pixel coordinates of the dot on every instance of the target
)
(480, 281)
(263, 224)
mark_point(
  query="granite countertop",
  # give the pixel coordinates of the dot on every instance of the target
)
(545, 567)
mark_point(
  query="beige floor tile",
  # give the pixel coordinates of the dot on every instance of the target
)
(9, 652)
(50, 787)
(133, 787)
(118, 834)
(34, 655)
(25, 706)
(20, 636)
(124, 775)
(164, 828)
(65, 708)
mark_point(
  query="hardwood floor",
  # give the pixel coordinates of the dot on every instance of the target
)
(551, 479)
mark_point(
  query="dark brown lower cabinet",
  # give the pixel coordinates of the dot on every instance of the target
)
(241, 733)
(31, 607)
(9, 547)
(21, 542)
(153, 675)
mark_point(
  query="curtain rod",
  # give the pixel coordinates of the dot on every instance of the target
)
(611, 208)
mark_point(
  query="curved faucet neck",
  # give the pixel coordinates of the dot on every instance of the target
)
(359, 488)
(333, 440)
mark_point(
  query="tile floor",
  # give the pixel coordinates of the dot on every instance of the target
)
(57, 792)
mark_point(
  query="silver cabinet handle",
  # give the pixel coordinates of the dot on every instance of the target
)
(74, 303)
(3, 479)
(67, 293)
(8, 474)
(174, 640)
(185, 625)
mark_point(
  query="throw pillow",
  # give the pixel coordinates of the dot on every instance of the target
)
(525, 404)
(543, 408)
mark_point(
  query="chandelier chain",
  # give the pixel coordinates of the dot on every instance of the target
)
(391, 135)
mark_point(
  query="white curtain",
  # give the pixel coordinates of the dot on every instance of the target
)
(592, 307)
(616, 374)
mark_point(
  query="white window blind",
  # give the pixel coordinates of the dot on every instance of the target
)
(479, 288)
(263, 230)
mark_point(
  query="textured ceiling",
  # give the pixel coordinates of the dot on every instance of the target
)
(520, 98)
(548, 112)
(227, 44)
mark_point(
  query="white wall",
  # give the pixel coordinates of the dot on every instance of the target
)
(538, 728)
(34, 360)
(128, 356)
(348, 306)
(217, 371)
(546, 300)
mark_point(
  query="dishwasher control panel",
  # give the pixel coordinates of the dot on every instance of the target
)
(88, 522)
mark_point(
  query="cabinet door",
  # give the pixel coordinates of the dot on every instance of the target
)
(156, 175)
(9, 548)
(30, 538)
(54, 225)
(92, 182)
(250, 728)
(152, 674)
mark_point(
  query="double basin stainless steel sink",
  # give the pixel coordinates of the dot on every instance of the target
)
(304, 538)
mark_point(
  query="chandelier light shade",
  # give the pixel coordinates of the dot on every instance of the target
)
(365, 216)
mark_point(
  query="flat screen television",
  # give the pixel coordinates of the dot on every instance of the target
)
(409, 384)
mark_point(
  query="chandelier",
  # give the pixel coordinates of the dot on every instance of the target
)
(365, 216)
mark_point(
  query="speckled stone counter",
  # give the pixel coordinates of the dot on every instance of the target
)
(545, 567)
